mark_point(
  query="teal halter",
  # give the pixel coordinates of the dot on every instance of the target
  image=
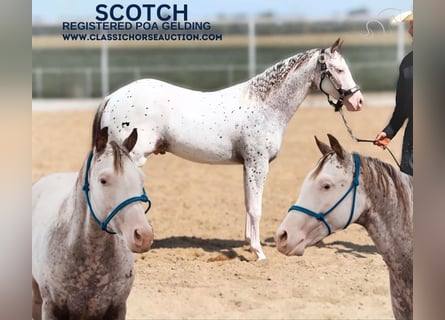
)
(103, 224)
(353, 188)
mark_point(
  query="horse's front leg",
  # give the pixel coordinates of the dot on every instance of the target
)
(255, 173)
(36, 301)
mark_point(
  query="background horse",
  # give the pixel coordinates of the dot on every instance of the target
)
(344, 188)
(80, 271)
(242, 124)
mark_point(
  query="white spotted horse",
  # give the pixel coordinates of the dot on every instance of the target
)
(347, 188)
(85, 228)
(243, 124)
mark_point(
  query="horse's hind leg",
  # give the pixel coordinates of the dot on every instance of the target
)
(36, 301)
(255, 173)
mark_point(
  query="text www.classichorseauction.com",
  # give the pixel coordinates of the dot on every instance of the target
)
(146, 22)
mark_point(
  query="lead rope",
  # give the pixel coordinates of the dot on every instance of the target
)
(363, 140)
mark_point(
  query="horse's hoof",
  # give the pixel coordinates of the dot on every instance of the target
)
(261, 256)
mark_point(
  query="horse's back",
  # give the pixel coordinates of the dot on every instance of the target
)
(136, 104)
(144, 88)
(145, 97)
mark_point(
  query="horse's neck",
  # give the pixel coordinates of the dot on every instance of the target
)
(284, 86)
(392, 232)
(83, 230)
(388, 217)
(389, 223)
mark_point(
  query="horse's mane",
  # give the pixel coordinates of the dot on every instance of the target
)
(272, 77)
(379, 176)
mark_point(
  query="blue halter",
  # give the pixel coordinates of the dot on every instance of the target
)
(353, 188)
(103, 224)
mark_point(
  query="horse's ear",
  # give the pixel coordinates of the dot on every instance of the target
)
(336, 46)
(324, 148)
(130, 142)
(101, 140)
(335, 145)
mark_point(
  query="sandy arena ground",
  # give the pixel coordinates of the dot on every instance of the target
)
(199, 266)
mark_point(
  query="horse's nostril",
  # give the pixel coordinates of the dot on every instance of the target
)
(138, 239)
(283, 236)
(137, 236)
(142, 239)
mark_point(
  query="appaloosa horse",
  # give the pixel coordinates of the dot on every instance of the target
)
(83, 228)
(242, 124)
(345, 188)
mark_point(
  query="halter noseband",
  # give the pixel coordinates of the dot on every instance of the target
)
(325, 72)
(103, 224)
(322, 215)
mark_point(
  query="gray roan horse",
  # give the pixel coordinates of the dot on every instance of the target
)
(83, 228)
(345, 188)
(243, 124)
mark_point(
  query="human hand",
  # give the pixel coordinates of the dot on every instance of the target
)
(382, 140)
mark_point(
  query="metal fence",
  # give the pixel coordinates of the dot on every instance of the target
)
(49, 80)
(86, 82)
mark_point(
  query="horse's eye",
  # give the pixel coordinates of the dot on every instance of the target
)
(103, 181)
(326, 186)
(339, 70)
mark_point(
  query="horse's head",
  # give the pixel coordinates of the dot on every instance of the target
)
(328, 200)
(335, 80)
(115, 191)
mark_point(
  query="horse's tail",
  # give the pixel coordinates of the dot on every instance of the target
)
(97, 120)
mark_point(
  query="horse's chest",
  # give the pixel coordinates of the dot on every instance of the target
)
(88, 294)
(87, 284)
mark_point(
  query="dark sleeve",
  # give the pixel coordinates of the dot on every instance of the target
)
(403, 92)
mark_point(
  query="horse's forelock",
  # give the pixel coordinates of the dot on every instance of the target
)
(320, 165)
(118, 154)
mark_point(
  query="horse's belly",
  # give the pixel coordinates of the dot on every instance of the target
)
(205, 133)
(204, 152)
